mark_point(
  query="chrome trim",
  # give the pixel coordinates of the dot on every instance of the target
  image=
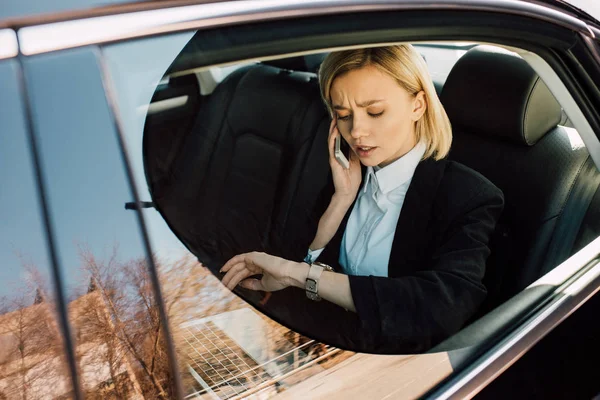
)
(45, 38)
(9, 46)
(567, 299)
(591, 32)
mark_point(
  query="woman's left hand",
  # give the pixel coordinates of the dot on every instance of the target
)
(276, 272)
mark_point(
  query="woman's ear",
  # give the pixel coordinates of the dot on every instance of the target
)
(419, 106)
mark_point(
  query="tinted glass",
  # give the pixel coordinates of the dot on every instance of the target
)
(32, 364)
(225, 346)
(233, 159)
(114, 315)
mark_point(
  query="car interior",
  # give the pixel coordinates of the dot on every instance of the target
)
(237, 166)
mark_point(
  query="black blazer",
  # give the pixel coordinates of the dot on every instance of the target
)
(435, 271)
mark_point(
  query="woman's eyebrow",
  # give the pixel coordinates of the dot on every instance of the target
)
(362, 105)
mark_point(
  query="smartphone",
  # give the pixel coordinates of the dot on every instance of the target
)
(342, 152)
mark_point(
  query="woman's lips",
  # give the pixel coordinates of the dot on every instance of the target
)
(365, 151)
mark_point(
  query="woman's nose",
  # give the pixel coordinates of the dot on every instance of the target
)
(358, 129)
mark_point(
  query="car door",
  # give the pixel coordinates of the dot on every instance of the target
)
(91, 118)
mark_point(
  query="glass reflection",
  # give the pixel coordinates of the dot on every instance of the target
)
(32, 365)
(225, 347)
(119, 340)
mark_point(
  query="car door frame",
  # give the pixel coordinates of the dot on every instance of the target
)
(33, 40)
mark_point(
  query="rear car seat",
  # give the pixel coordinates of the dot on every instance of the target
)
(504, 120)
(251, 167)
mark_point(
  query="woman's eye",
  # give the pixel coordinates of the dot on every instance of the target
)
(343, 117)
(376, 115)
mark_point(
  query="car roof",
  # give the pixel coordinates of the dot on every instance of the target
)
(19, 12)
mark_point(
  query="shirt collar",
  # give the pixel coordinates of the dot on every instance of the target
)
(397, 173)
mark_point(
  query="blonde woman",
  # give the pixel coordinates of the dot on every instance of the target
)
(402, 243)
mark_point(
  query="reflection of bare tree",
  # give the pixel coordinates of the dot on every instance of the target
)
(30, 349)
(30, 346)
(265, 355)
(119, 341)
(130, 321)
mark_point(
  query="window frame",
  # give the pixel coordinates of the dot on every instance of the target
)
(585, 276)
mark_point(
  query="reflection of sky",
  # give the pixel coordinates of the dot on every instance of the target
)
(87, 186)
(136, 68)
(86, 183)
(20, 222)
(20, 8)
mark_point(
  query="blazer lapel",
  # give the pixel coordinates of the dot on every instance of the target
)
(410, 237)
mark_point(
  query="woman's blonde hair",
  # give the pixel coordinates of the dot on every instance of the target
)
(403, 63)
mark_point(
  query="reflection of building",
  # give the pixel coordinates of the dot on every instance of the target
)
(32, 365)
(238, 354)
(29, 355)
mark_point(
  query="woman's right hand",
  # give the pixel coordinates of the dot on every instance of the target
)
(346, 181)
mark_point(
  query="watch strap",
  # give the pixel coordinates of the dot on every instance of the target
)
(312, 280)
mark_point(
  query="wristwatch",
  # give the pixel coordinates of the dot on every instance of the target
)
(312, 281)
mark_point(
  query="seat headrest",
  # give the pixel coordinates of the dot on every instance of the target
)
(493, 92)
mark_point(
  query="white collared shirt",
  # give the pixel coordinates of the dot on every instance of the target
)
(367, 242)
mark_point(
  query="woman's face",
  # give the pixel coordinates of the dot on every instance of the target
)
(375, 115)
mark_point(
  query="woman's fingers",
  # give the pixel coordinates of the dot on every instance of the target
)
(245, 265)
(252, 284)
(232, 271)
(238, 277)
(233, 261)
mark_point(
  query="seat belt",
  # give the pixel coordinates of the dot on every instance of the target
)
(569, 223)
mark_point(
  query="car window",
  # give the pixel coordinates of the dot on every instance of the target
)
(225, 346)
(207, 196)
(32, 362)
(113, 311)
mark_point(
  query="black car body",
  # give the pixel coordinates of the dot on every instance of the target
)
(101, 107)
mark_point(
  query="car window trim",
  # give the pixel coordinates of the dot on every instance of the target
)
(9, 46)
(566, 300)
(44, 38)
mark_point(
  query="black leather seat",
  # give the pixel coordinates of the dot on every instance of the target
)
(251, 167)
(504, 121)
